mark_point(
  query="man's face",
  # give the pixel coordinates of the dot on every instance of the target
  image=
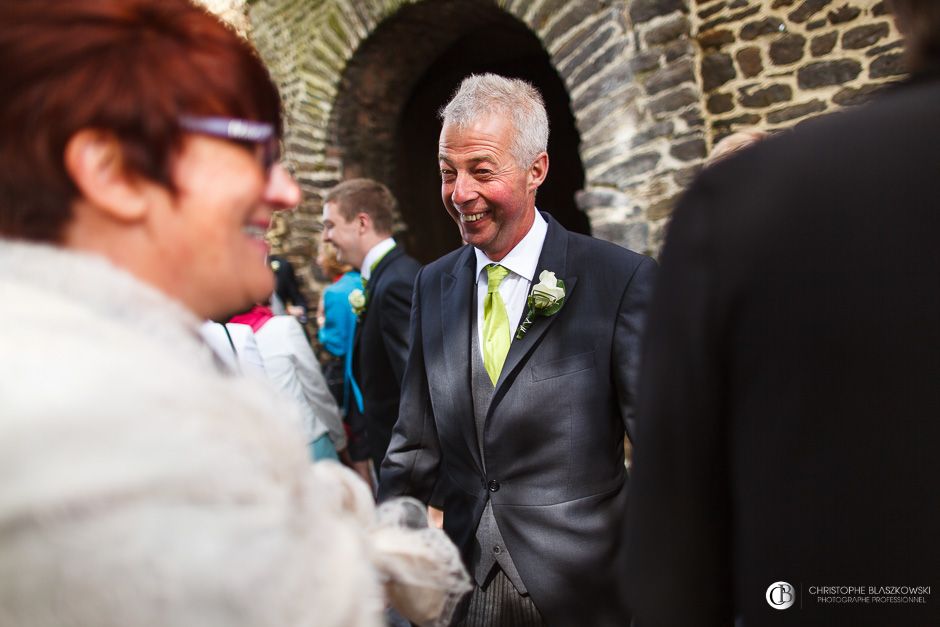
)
(485, 191)
(345, 235)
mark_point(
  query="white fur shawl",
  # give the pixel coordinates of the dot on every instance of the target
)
(141, 486)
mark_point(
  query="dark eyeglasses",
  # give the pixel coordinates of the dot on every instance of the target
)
(246, 131)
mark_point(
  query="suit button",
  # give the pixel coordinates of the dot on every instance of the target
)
(497, 549)
(493, 486)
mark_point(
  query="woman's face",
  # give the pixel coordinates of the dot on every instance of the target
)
(211, 233)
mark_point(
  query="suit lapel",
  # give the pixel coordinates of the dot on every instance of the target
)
(458, 303)
(554, 257)
(384, 263)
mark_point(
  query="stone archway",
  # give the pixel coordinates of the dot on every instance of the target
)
(602, 61)
(385, 122)
(652, 84)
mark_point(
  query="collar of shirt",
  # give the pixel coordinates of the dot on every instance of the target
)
(374, 255)
(523, 259)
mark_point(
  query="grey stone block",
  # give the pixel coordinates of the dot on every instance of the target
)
(807, 9)
(796, 111)
(825, 73)
(719, 103)
(891, 64)
(673, 101)
(758, 28)
(669, 77)
(645, 10)
(823, 44)
(787, 49)
(717, 69)
(755, 98)
(864, 36)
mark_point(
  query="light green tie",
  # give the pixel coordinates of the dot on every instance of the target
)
(496, 337)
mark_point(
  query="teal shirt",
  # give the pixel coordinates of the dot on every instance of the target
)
(339, 320)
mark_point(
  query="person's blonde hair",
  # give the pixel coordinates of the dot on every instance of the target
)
(733, 143)
(328, 262)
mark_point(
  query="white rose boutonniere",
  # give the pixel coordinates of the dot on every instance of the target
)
(545, 299)
(357, 300)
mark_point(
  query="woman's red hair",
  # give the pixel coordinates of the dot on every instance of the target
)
(128, 67)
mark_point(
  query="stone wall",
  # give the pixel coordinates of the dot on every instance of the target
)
(767, 64)
(774, 66)
(234, 12)
(310, 44)
(652, 84)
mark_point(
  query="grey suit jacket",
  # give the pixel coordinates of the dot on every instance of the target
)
(553, 434)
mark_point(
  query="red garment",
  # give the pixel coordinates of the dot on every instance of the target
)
(254, 317)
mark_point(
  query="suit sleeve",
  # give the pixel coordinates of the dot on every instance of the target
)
(414, 454)
(394, 322)
(677, 533)
(631, 322)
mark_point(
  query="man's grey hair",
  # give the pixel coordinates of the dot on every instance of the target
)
(480, 95)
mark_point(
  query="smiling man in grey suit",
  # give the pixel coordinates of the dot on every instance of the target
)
(518, 435)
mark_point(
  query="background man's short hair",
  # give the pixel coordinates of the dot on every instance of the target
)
(480, 95)
(365, 196)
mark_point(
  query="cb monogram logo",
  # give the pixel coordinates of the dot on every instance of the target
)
(780, 595)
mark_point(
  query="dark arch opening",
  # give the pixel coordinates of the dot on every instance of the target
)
(387, 124)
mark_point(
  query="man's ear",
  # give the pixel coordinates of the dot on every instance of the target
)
(363, 221)
(538, 171)
(94, 160)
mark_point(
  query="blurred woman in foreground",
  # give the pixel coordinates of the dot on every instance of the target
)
(141, 482)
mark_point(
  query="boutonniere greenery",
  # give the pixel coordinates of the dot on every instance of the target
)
(545, 299)
(357, 300)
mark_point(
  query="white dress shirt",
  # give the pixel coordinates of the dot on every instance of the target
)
(374, 255)
(522, 262)
(290, 363)
(241, 355)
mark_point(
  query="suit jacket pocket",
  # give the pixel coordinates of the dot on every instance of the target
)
(563, 366)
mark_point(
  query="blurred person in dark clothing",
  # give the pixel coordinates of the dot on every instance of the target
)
(357, 219)
(287, 297)
(787, 433)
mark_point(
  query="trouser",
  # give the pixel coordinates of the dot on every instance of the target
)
(498, 604)
(333, 374)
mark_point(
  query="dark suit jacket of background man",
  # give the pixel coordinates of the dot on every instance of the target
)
(381, 346)
(789, 419)
(554, 432)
